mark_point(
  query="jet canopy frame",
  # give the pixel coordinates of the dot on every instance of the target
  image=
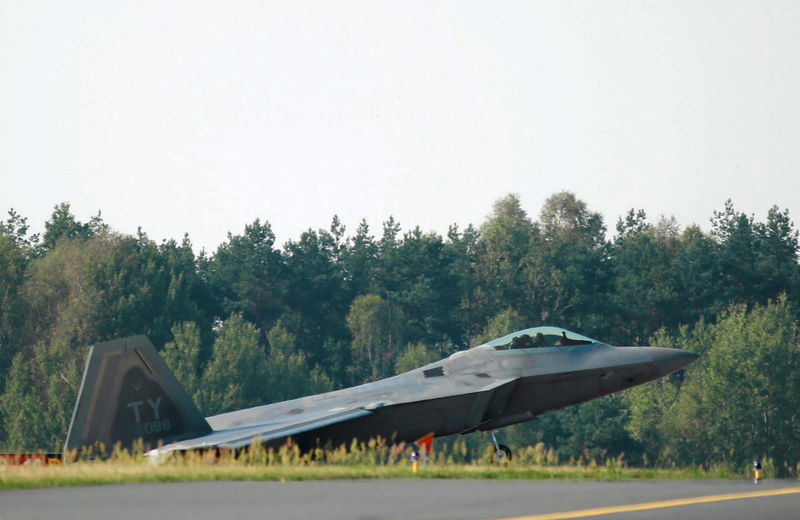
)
(538, 337)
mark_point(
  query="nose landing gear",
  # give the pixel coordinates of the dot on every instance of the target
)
(502, 453)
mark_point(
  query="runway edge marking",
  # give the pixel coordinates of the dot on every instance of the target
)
(583, 513)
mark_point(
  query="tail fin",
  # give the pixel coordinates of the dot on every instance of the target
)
(129, 393)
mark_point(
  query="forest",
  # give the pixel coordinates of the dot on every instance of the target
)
(255, 322)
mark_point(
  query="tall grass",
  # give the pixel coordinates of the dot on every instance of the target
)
(374, 459)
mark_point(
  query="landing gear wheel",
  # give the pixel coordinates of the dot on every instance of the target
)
(502, 454)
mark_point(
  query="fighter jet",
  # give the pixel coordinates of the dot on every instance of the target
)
(129, 393)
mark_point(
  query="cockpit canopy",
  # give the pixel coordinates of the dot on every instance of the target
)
(540, 337)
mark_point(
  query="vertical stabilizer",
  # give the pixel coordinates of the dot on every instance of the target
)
(129, 393)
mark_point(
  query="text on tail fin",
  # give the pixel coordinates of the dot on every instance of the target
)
(129, 393)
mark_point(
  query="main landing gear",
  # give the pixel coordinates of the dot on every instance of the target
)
(502, 453)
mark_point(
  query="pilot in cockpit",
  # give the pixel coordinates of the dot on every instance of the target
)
(525, 341)
(522, 341)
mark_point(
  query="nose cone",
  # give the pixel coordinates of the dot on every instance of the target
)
(668, 360)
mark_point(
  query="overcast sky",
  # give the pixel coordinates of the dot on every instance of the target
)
(199, 117)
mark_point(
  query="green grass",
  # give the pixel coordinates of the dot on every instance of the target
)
(93, 473)
(372, 461)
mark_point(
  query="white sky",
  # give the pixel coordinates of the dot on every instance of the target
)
(190, 116)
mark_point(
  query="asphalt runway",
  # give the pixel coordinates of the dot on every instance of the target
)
(400, 499)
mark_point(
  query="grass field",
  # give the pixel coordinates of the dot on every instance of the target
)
(364, 462)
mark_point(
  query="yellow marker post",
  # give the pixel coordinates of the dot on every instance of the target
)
(756, 472)
(415, 462)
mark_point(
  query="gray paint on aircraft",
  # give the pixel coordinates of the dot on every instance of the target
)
(506, 381)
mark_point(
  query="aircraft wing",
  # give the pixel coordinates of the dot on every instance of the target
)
(240, 437)
(491, 400)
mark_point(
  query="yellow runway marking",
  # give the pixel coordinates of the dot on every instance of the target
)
(583, 513)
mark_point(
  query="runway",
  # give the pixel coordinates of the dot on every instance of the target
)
(405, 499)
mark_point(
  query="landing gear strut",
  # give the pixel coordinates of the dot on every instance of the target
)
(502, 453)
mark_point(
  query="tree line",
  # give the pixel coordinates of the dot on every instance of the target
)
(254, 322)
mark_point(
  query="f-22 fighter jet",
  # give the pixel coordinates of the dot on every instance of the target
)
(129, 393)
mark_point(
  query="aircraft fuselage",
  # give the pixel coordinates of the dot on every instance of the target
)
(478, 389)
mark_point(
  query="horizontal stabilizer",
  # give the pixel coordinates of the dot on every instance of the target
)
(241, 437)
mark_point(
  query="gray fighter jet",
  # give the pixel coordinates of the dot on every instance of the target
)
(129, 393)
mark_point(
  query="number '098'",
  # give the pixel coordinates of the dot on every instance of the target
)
(156, 426)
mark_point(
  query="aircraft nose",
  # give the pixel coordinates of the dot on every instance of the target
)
(668, 360)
